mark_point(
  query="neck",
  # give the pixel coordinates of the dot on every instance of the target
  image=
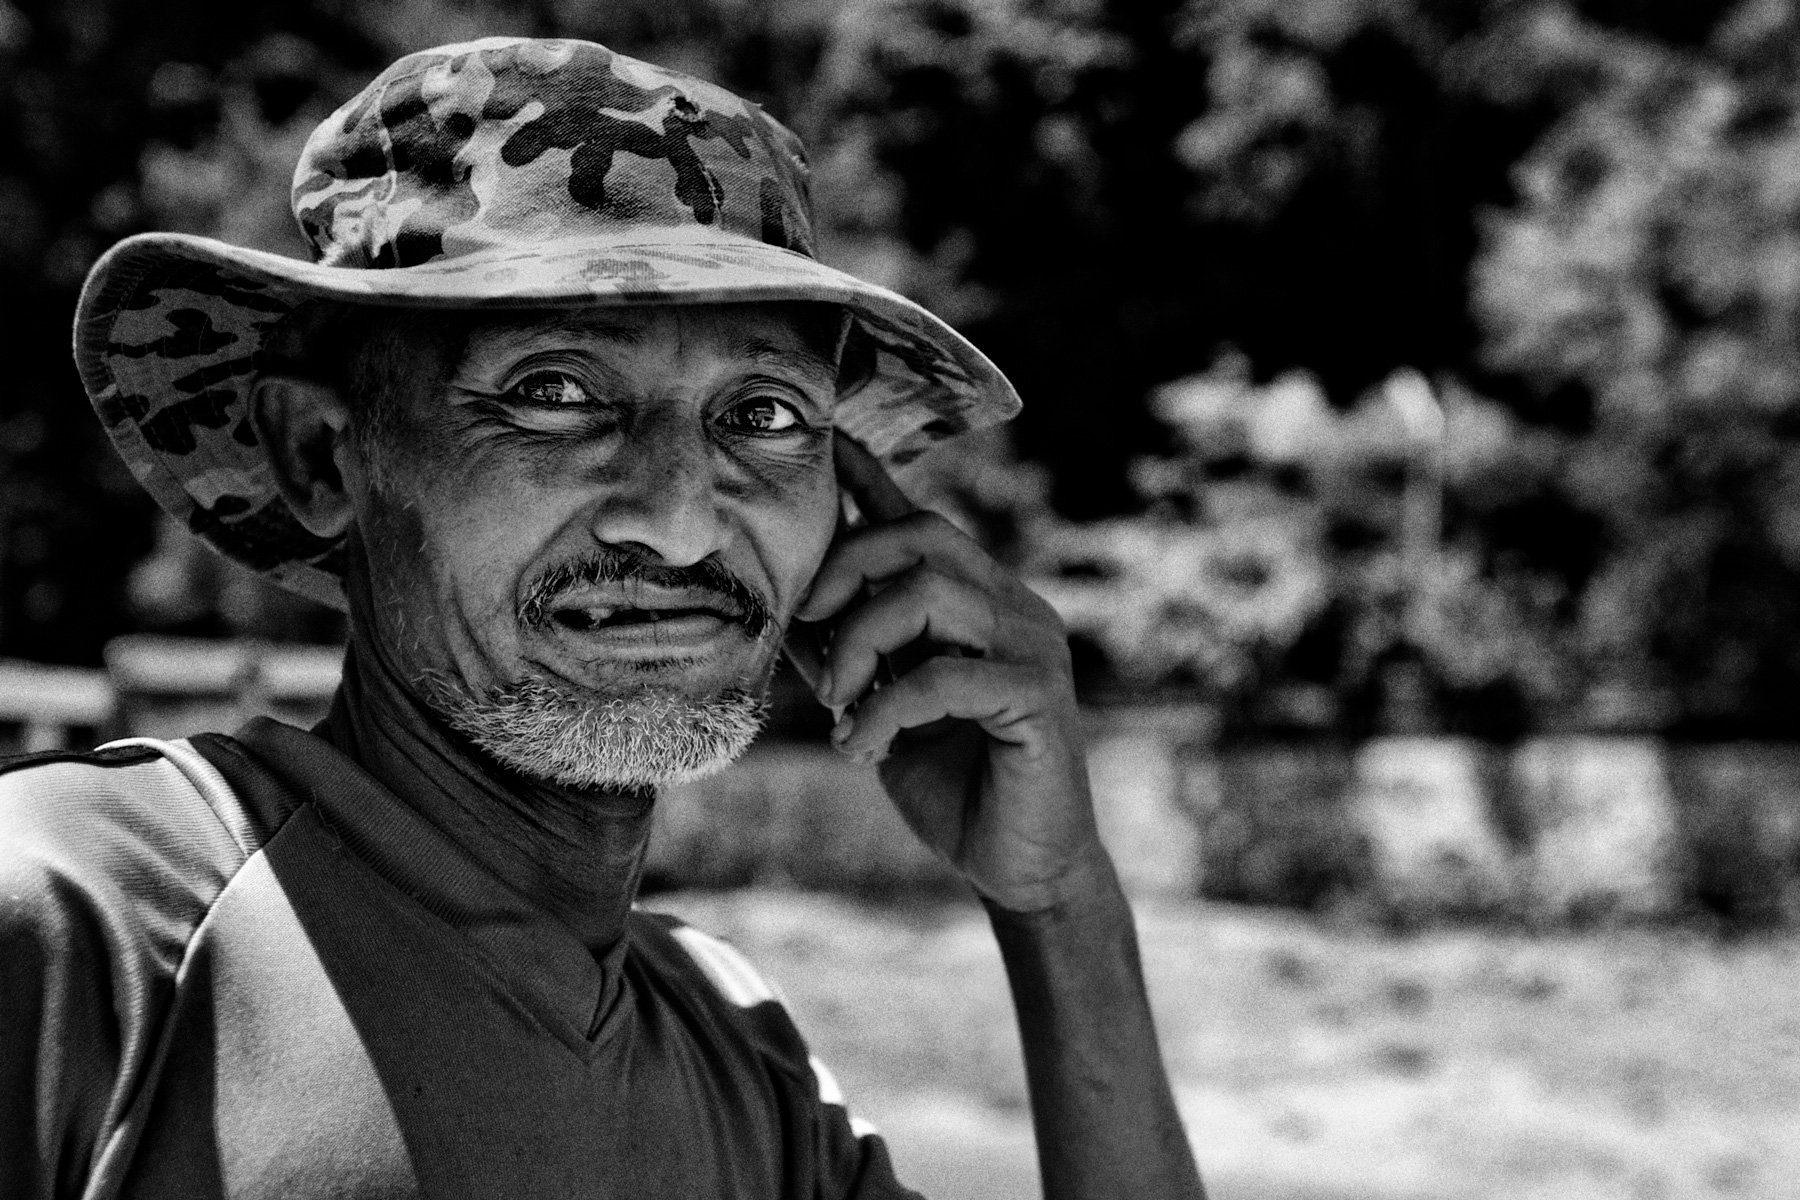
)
(576, 854)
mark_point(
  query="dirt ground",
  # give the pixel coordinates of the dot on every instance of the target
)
(1314, 1061)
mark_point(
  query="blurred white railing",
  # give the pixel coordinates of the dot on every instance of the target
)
(165, 687)
(46, 702)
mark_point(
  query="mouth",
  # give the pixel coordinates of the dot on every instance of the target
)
(595, 618)
(643, 624)
(619, 610)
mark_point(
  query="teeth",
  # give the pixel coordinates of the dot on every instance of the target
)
(598, 615)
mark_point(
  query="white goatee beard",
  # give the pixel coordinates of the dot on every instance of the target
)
(554, 731)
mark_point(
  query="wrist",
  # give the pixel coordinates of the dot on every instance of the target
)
(1089, 885)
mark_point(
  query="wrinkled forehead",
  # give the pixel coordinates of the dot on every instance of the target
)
(799, 334)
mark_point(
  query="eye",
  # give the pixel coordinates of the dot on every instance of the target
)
(761, 414)
(550, 389)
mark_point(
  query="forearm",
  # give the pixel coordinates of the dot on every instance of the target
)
(1105, 1117)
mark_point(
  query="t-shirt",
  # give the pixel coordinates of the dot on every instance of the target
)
(239, 967)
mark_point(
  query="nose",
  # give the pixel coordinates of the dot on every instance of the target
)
(661, 495)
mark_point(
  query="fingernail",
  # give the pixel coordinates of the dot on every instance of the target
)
(840, 733)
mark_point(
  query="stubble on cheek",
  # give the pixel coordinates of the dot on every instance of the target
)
(419, 612)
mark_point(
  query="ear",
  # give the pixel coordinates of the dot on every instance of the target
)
(305, 427)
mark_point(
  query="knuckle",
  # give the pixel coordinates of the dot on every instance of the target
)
(939, 671)
(917, 580)
(931, 587)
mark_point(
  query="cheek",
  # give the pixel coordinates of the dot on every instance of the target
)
(482, 533)
(450, 542)
(792, 527)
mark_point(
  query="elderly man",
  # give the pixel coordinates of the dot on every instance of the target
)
(562, 413)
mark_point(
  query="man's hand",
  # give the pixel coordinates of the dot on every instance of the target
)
(955, 677)
(956, 680)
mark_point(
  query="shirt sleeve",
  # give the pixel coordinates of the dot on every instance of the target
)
(847, 1157)
(59, 1038)
(852, 1150)
(107, 864)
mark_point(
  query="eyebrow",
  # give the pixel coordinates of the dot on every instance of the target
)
(573, 324)
(755, 347)
(769, 353)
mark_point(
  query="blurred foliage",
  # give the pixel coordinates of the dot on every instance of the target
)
(1579, 220)
(1295, 564)
(1651, 269)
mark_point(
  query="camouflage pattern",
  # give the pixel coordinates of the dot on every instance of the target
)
(501, 173)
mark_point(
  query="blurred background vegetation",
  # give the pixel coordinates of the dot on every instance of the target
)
(1390, 365)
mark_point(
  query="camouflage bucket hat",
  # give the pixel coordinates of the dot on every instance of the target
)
(501, 173)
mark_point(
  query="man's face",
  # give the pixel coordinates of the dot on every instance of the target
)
(606, 505)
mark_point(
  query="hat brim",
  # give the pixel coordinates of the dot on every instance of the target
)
(171, 332)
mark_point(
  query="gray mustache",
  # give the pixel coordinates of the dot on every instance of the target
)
(621, 566)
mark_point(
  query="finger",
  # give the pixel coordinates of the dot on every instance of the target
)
(805, 648)
(877, 554)
(921, 604)
(861, 475)
(1002, 697)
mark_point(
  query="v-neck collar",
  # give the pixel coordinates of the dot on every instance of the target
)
(537, 956)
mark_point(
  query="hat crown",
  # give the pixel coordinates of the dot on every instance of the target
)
(506, 142)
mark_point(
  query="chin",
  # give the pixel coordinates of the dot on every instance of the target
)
(631, 729)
